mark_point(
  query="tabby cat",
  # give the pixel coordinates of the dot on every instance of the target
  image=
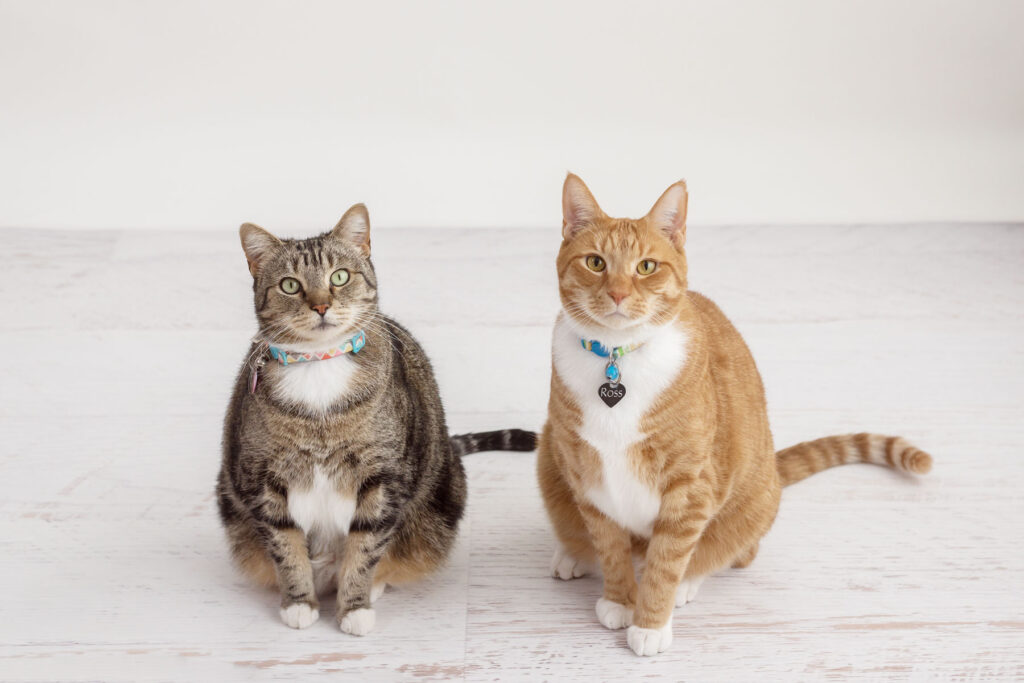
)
(657, 441)
(337, 466)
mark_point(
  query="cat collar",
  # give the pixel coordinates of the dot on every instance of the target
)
(353, 345)
(612, 391)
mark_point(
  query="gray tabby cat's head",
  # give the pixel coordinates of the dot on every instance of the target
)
(317, 291)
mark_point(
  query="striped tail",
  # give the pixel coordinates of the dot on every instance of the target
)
(804, 459)
(501, 440)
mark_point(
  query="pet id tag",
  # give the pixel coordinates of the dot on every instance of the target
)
(254, 375)
(611, 393)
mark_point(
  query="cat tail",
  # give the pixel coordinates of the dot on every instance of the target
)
(501, 440)
(804, 459)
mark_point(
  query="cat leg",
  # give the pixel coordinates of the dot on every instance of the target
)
(299, 605)
(614, 550)
(369, 540)
(574, 554)
(363, 550)
(687, 590)
(746, 557)
(250, 553)
(566, 567)
(377, 590)
(684, 514)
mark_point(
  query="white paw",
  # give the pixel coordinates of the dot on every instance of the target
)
(564, 566)
(299, 615)
(377, 591)
(613, 615)
(358, 622)
(687, 590)
(649, 641)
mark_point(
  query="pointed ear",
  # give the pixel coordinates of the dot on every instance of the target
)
(258, 244)
(354, 228)
(579, 208)
(669, 214)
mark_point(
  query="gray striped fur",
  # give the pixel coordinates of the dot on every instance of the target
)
(384, 443)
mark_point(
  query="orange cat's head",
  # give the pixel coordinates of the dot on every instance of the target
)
(617, 275)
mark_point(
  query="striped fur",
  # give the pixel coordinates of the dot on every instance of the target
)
(338, 472)
(683, 470)
(501, 440)
(804, 459)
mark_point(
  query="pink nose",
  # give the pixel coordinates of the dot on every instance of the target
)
(617, 297)
(320, 308)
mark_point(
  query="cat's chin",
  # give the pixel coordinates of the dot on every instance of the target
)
(321, 338)
(332, 336)
(619, 321)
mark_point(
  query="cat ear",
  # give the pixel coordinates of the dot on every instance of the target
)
(669, 214)
(354, 228)
(258, 244)
(579, 208)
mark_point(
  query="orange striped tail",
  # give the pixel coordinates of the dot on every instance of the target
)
(804, 459)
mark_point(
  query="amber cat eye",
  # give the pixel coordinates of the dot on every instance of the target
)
(646, 267)
(595, 263)
(290, 285)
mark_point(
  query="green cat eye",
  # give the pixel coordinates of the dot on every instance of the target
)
(595, 263)
(646, 267)
(339, 277)
(290, 285)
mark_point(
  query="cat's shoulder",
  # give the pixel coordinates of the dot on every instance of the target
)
(708, 311)
(703, 304)
(402, 340)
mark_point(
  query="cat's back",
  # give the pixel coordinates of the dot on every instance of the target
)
(726, 346)
(413, 368)
(741, 402)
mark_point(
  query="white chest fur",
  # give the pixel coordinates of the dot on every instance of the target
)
(321, 508)
(316, 385)
(646, 373)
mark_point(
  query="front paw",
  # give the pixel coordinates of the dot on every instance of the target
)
(566, 567)
(649, 641)
(613, 615)
(299, 614)
(358, 622)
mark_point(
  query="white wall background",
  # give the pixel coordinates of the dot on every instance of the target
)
(204, 114)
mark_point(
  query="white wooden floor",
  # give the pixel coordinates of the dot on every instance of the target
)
(121, 347)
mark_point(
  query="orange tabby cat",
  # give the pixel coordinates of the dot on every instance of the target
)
(661, 449)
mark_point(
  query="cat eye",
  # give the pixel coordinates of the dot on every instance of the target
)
(290, 285)
(595, 263)
(646, 267)
(339, 277)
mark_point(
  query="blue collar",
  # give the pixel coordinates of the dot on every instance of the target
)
(611, 371)
(600, 349)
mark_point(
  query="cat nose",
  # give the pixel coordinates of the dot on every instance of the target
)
(320, 308)
(617, 297)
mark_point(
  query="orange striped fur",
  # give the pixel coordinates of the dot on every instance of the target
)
(693, 483)
(804, 459)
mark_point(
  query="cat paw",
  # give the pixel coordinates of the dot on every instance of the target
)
(299, 615)
(358, 622)
(377, 591)
(564, 566)
(613, 615)
(687, 590)
(649, 641)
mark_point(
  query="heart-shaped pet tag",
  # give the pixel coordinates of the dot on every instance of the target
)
(611, 393)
